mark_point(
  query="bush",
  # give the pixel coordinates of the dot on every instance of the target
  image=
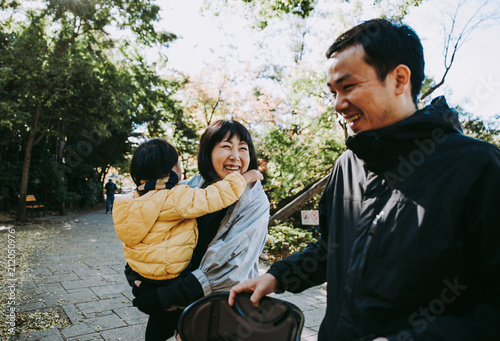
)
(9, 185)
(297, 238)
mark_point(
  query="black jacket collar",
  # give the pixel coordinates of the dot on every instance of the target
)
(380, 148)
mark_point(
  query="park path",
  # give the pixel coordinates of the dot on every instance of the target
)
(79, 272)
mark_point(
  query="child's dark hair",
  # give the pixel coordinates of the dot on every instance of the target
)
(153, 159)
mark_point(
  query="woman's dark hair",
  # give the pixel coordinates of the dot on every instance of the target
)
(215, 133)
(386, 46)
(153, 159)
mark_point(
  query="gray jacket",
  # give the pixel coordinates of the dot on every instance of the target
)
(233, 255)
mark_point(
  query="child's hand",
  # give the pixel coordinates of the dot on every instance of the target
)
(137, 288)
(252, 176)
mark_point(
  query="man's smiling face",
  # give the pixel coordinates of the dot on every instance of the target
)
(364, 101)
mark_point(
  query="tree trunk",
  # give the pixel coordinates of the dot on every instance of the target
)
(21, 207)
(297, 204)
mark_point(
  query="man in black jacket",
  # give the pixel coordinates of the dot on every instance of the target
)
(409, 220)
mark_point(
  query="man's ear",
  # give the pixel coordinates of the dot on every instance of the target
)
(402, 77)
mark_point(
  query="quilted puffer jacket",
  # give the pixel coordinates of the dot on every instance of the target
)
(158, 229)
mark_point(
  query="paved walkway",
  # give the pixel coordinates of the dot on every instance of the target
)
(82, 276)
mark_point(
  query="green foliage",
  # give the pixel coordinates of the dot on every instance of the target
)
(297, 238)
(298, 154)
(9, 4)
(10, 177)
(302, 147)
(428, 83)
(69, 100)
(267, 10)
(398, 11)
(271, 8)
(486, 130)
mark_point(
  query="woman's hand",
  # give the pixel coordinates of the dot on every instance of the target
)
(252, 176)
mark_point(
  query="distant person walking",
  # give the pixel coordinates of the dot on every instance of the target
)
(110, 195)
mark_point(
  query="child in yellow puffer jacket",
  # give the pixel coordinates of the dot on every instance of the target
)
(157, 222)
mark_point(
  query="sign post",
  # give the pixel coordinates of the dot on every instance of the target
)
(311, 217)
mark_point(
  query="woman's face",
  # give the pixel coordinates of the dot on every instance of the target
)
(230, 156)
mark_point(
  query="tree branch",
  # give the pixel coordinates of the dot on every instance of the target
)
(467, 29)
(75, 35)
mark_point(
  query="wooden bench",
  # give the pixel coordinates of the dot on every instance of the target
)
(33, 204)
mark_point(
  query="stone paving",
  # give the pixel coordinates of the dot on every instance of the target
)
(83, 279)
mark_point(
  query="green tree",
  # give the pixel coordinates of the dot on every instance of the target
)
(305, 136)
(57, 77)
(298, 154)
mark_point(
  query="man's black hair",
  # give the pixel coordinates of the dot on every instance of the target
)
(386, 46)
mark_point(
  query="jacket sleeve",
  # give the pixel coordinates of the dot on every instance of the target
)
(481, 218)
(233, 255)
(195, 202)
(180, 292)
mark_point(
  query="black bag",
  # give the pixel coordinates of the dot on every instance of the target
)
(212, 319)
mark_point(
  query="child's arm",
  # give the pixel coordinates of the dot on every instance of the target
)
(196, 202)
